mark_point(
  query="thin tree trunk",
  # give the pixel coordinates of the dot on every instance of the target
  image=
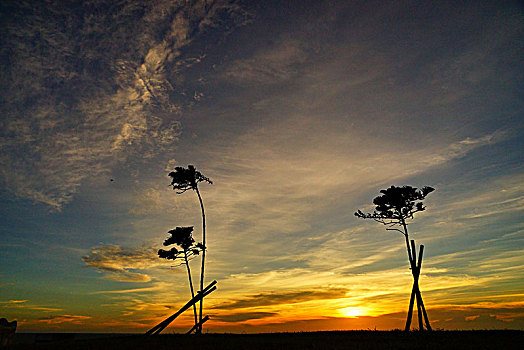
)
(191, 285)
(406, 236)
(203, 256)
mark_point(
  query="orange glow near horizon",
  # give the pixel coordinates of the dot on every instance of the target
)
(353, 311)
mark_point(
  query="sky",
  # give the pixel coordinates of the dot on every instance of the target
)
(300, 112)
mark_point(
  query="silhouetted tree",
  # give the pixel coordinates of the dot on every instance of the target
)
(183, 238)
(393, 208)
(183, 180)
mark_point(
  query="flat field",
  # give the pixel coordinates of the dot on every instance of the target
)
(492, 339)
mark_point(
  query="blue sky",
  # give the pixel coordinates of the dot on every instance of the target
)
(300, 112)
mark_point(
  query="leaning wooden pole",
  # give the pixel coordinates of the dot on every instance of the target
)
(419, 266)
(200, 295)
(412, 264)
(417, 274)
(410, 310)
(197, 325)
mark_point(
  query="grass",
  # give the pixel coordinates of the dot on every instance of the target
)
(493, 339)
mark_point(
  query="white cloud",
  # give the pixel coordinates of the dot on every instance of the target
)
(90, 110)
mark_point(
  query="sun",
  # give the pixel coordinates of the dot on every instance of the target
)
(352, 311)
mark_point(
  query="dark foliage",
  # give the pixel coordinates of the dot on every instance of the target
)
(183, 238)
(183, 179)
(397, 204)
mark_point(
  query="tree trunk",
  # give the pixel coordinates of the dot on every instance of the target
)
(406, 236)
(191, 285)
(203, 257)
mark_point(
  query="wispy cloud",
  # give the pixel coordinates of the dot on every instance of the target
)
(117, 262)
(73, 319)
(283, 297)
(272, 65)
(504, 195)
(264, 202)
(157, 286)
(22, 305)
(84, 102)
(244, 316)
(13, 302)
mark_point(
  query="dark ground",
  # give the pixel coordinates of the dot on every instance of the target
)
(503, 339)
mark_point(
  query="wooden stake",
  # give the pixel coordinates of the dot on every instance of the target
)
(198, 325)
(424, 313)
(415, 292)
(410, 310)
(200, 295)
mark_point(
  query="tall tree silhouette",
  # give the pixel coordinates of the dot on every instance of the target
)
(183, 238)
(393, 208)
(183, 180)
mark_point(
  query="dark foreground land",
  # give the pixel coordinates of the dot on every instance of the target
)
(503, 339)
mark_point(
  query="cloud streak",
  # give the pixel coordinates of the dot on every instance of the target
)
(244, 316)
(270, 66)
(117, 262)
(80, 101)
(72, 319)
(282, 297)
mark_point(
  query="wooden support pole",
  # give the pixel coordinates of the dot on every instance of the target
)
(416, 274)
(419, 312)
(413, 262)
(410, 310)
(162, 325)
(199, 324)
(419, 295)
(424, 313)
(420, 253)
(415, 292)
(209, 286)
(414, 265)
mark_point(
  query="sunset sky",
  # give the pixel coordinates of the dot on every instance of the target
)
(300, 112)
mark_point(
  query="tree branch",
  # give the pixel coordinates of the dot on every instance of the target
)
(395, 229)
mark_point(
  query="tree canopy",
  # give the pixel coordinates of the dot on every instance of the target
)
(183, 238)
(183, 179)
(396, 204)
